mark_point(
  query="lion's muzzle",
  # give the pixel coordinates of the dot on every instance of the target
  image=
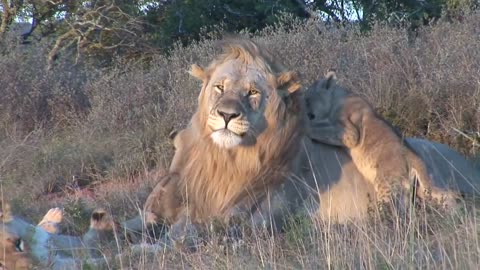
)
(229, 109)
(228, 123)
(227, 116)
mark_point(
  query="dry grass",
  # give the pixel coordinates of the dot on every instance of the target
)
(79, 137)
(429, 240)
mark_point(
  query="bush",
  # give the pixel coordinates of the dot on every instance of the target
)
(31, 97)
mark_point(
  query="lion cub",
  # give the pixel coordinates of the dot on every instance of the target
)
(340, 117)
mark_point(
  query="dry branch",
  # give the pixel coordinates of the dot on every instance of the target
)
(100, 29)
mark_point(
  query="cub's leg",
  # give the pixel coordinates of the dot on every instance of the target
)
(178, 143)
(343, 134)
(50, 222)
(101, 232)
(390, 193)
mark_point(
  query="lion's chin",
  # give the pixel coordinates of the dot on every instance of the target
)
(225, 138)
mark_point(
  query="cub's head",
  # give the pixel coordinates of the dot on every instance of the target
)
(243, 94)
(319, 97)
(13, 253)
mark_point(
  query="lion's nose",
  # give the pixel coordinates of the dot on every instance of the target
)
(227, 116)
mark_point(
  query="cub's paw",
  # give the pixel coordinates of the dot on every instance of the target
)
(50, 222)
(101, 220)
(451, 201)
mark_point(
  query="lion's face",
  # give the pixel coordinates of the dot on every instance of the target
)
(13, 253)
(236, 96)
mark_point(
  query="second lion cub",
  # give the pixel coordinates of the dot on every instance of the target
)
(340, 117)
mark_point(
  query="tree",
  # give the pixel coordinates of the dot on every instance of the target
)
(99, 28)
(183, 20)
(9, 12)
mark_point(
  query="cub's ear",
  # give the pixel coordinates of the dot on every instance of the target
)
(329, 79)
(173, 134)
(198, 72)
(289, 81)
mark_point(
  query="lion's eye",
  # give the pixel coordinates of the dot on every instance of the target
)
(253, 92)
(19, 245)
(219, 88)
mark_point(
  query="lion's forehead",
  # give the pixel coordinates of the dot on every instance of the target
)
(238, 73)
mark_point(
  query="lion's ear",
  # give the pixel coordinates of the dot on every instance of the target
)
(5, 214)
(198, 72)
(289, 81)
(330, 79)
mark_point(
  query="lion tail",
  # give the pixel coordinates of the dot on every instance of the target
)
(419, 173)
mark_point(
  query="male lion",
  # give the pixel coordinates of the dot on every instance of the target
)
(248, 104)
(230, 159)
(340, 117)
(23, 245)
(246, 152)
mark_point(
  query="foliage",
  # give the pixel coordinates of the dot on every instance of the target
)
(184, 20)
(102, 29)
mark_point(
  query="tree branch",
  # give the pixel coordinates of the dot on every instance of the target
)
(236, 13)
(180, 23)
(9, 13)
(99, 28)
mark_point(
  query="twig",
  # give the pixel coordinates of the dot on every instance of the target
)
(472, 139)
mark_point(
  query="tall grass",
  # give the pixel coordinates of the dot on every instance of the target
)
(81, 137)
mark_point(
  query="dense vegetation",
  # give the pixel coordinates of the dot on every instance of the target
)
(89, 133)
